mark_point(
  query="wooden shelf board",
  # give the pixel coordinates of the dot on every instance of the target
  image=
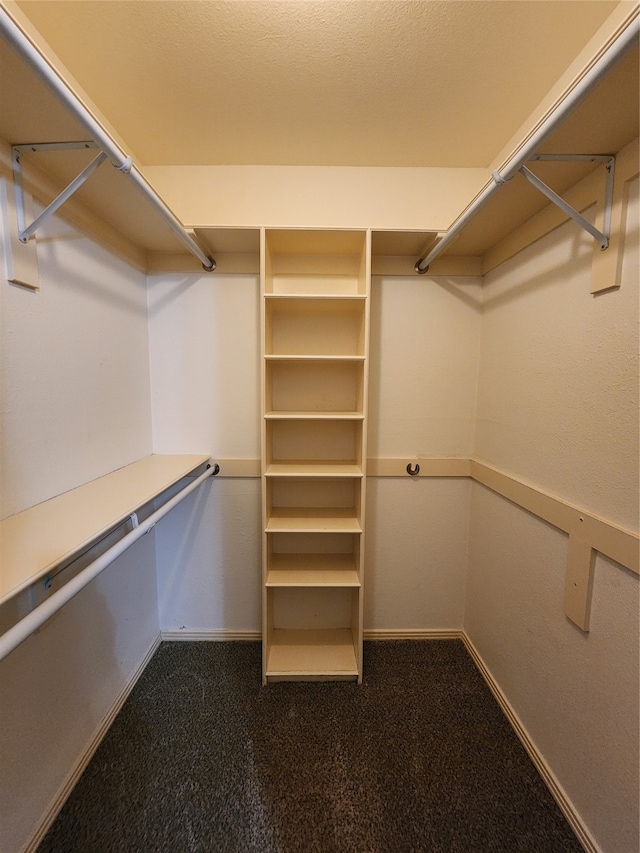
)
(298, 285)
(603, 123)
(292, 301)
(314, 416)
(312, 578)
(33, 542)
(312, 570)
(321, 358)
(311, 652)
(313, 469)
(313, 520)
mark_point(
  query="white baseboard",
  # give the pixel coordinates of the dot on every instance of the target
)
(370, 634)
(204, 636)
(557, 791)
(87, 753)
(413, 634)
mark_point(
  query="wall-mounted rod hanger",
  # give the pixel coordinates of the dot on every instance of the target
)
(26, 231)
(30, 623)
(610, 163)
(27, 50)
(614, 53)
(601, 236)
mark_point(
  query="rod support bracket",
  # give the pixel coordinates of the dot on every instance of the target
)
(25, 232)
(601, 236)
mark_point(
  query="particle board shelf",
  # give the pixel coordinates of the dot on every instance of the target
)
(314, 416)
(313, 469)
(115, 213)
(313, 570)
(313, 301)
(107, 206)
(34, 542)
(313, 357)
(311, 654)
(313, 520)
(604, 123)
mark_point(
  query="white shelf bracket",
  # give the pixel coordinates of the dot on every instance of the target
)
(603, 236)
(25, 232)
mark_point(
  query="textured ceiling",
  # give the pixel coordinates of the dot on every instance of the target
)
(317, 82)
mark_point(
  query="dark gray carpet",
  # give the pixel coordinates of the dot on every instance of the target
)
(202, 758)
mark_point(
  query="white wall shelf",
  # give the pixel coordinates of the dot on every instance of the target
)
(40, 541)
(116, 213)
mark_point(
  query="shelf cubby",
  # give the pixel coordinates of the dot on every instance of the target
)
(311, 655)
(315, 560)
(312, 633)
(313, 504)
(314, 444)
(323, 326)
(315, 346)
(300, 262)
(314, 385)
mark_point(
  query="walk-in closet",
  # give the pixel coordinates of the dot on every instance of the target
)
(319, 514)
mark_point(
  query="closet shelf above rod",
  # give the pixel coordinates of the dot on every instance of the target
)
(25, 48)
(54, 549)
(625, 42)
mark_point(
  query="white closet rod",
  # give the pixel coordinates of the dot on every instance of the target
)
(21, 43)
(616, 51)
(39, 615)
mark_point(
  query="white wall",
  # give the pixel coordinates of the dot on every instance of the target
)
(75, 365)
(204, 339)
(425, 336)
(205, 361)
(558, 406)
(378, 197)
(75, 405)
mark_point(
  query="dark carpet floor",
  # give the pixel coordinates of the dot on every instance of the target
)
(202, 759)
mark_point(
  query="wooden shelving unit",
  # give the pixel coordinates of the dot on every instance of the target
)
(315, 287)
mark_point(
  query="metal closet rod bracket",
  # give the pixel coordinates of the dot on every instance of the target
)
(499, 180)
(25, 232)
(603, 237)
